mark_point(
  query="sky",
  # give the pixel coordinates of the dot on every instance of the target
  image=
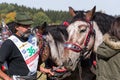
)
(111, 7)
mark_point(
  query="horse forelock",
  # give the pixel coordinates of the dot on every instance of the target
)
(79, 15)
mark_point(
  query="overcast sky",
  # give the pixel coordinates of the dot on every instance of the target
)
(111, 7)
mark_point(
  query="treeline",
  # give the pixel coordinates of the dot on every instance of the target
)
(8, 11)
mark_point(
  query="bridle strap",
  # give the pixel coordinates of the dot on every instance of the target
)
(91, 32)
(72, 46)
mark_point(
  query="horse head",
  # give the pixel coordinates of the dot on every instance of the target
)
(85, 32)
(54, 36)
(81, 38)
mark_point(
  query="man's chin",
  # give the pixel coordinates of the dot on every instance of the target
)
(26, 36)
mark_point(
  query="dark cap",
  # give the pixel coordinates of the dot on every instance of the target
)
(23, 18)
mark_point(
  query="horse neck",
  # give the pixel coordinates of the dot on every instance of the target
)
(98, 36)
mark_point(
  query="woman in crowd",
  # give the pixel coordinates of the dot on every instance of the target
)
(108, 54)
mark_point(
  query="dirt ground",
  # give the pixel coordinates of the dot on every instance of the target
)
(42, 77)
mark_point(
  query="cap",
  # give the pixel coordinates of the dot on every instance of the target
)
(23, 18)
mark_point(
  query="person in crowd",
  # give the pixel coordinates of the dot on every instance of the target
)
(21, 51)
(4, 32)
(108, 54)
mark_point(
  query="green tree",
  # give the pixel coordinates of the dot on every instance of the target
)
(39, 18)
(54, 16)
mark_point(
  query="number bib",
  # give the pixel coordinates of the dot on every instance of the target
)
(29, 51)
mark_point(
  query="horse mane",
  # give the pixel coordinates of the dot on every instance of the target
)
(103, 20)
(58, 32)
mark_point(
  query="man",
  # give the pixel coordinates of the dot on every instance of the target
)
(20, 51)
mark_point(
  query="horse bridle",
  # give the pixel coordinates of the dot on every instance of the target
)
(77, 48)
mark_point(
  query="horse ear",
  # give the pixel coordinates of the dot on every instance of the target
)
(71, 11)
(44, 25)
(89, 15)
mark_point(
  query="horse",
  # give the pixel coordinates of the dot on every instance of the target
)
(85, 23)
(55, 36)
(85, 32)
(83, 36)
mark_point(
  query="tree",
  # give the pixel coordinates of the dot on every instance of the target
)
(39, 18)
(10, 17)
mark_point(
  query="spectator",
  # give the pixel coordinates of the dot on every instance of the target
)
(20, 50)
(108, 54)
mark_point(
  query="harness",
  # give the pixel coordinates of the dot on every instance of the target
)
(77, 48)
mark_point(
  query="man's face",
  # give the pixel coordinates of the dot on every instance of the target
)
(23, 31)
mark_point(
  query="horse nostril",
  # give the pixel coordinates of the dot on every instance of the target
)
(70, 62)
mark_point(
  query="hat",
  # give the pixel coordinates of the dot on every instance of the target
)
(23, 18)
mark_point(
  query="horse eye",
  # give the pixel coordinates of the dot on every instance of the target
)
(81, 31)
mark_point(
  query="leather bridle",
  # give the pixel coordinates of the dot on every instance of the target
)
(77, 48)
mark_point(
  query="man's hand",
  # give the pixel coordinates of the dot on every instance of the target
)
(45, 70)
